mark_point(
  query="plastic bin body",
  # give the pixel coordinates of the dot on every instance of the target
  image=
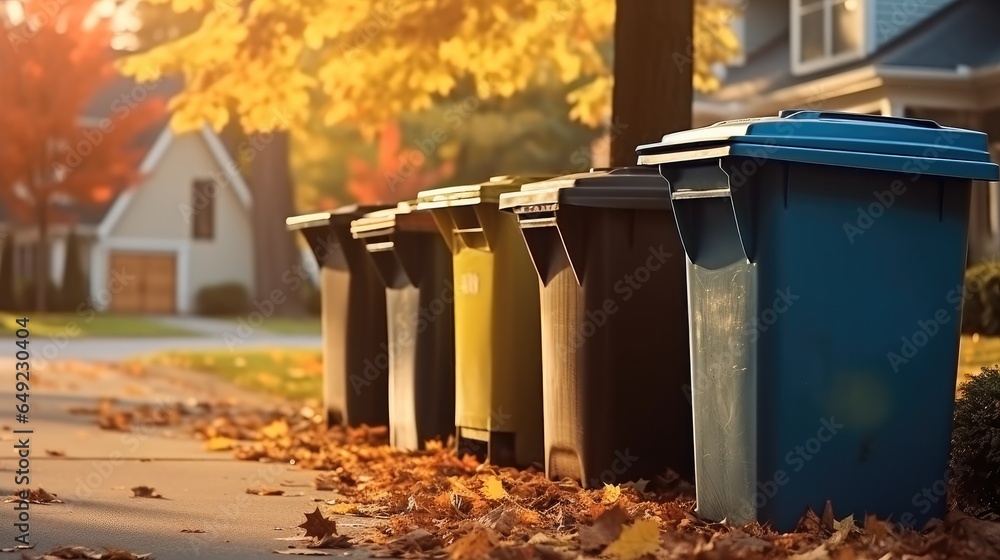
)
(498, 361)
(616, 367)
(353, 315)
(415, 266)
(825, 313)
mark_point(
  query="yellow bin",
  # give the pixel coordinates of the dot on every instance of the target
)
(498, 354)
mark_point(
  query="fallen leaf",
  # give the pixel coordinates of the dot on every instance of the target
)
(501, 520)
(332, 541)
(304, 552)
(842, 530)
(55, 453)
(611, 493)
(818, 553)
(84, 553)
(219, 444)
(493, 488)
(638, 485)
(39, 496)
(417, 540)
(476, 545)
(265, 491)
(826, 520)
(145, 492)
(318, 526)
(636, 540)
(275, 430)
(343, 509)
(606, 528)
(193, 531)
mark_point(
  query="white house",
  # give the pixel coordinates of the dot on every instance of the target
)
(932, 59)
(185, 226)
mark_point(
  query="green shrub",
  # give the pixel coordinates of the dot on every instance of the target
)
(981, 310)
(975, 442)
(223, 299)
(75, 287)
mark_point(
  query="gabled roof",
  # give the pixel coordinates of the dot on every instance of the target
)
(152, 144)
(229, 174)
(962, 33)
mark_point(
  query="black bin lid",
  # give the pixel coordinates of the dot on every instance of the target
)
(611, 187)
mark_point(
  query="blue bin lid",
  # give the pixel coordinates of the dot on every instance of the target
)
(831, 138)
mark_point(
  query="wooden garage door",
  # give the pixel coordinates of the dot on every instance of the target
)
(149, 282)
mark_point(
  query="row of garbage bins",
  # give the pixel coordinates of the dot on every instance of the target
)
(765, 306)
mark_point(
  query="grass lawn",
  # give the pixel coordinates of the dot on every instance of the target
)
(286, 325)
(296, 374)
(86, 324)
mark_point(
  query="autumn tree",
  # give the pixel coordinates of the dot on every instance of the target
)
(398, 173)
(370, 61)
(56, 56)
(373, 60)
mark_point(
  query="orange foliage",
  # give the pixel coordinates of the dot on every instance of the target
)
(398, 174)
(53, 62)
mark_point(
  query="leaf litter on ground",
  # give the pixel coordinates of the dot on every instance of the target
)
(146, 492)
(84, 553)
(39, 496)
(435, 503)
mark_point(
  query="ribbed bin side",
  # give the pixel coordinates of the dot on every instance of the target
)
(402, 305)
(724, 390)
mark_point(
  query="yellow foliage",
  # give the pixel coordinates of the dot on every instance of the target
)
(611, 493)
(372, 59)
(275, 430)
(637, 540)
(493, 489)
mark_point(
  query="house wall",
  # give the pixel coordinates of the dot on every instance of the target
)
(158, 218)
(763, 21)
(893, 17)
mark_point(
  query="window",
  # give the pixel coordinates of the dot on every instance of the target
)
(826, 32)
(203, 205)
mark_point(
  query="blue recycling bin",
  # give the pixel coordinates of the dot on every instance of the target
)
(826, 254)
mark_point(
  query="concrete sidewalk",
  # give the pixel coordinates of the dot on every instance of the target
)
(203, 490)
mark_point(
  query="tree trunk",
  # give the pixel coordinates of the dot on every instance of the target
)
(275, 253)
(653, 89)
(42, 255)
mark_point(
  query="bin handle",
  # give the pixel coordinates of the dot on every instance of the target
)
(714, 221)
(921, 123)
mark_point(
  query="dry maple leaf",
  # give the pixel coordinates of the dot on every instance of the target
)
(636, 540)
(418, 540)
(611, 493)
(318, 526)
(39, 496)
(146, 492)
(475, 545)
(606, 528)
(275, 430)
(265, 492)
(493, 488)
(501, 519)
(332, 541)
(84, 553)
